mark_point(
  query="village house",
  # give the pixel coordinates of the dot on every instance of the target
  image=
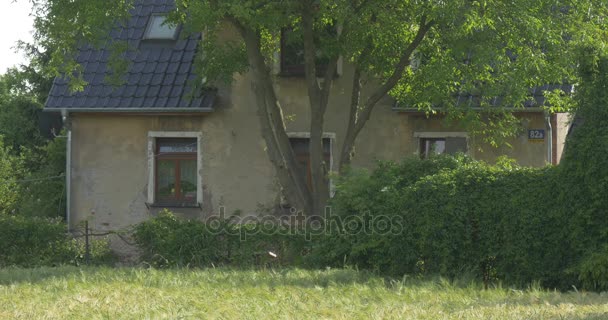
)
(151, 143)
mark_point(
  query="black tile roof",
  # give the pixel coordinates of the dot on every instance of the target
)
(157, 79)
(536, 98)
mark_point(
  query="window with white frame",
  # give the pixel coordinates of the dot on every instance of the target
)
(301, 147)
(300, 142)
(174, 164)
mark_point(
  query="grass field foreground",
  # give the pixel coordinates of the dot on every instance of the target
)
(131, 293)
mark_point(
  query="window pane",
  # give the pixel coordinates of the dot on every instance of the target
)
(166, 179)
(438, 146)
(432, 146)
(292, 50)
(455, 145)
(156, 29)
(300, 146)
(177, 145)
(188, 180)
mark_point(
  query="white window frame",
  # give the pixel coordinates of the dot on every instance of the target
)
(439, 135)
(332, 138)
(152, 137)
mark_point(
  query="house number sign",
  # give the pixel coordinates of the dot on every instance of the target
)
(536, 134)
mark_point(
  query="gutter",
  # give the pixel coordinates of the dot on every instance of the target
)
(131, 110)
(68, 166)
(443, 110)
(549, 138)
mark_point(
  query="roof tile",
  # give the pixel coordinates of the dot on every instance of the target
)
(156, 71)
(149, 67)
(172, 102)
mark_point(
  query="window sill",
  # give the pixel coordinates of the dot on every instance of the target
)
(299, 75)
(174, 205)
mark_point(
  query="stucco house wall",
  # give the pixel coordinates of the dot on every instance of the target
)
(110, 161)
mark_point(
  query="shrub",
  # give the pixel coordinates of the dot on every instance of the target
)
(44, 193)
(498, 222)
(451, 216)
(31, 242)
(167, 241)
(10, 169)
(593, 270)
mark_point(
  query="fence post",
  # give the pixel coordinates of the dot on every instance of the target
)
(87, 252)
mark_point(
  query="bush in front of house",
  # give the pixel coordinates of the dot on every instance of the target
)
(501, 222)
(33, 242)
(167, 241)
(451, 216)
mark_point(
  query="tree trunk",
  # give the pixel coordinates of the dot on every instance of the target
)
(272, 123)
(318, 100)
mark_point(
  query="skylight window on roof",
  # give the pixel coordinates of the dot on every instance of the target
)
(157, 29)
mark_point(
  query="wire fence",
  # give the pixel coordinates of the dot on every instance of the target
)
(88, 233)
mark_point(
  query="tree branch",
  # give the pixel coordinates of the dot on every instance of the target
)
(359, 116)
(310, 69)
(390, 83)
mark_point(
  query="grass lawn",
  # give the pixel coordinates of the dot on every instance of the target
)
(105, 293)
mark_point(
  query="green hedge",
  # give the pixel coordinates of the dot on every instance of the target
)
(457, 216)
(451, 216)
(498, 222)
(167, 241)
(32, 242)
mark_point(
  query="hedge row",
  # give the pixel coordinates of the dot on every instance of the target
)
(447, 215)
(167, 241)
(498, 222)
(458, 216)
(31, 242)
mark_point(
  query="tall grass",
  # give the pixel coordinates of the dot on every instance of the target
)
(129, 293)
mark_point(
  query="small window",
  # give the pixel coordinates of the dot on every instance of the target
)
(176, 171)
(300, 147)
(292, 53)
(446, 145)
(157, 29)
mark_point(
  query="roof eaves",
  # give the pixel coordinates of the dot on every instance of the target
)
(415, 110)
(131, 110)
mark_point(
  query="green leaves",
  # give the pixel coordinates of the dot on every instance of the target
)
(10, 169)
(32, 241)
(461, 216)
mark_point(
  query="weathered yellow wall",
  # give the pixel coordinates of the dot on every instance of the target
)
(110, 165)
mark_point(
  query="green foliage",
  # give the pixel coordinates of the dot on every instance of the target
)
(486, 48)
(452, 216)
(449, 216)
(44, 186)
(10, 167)
(18, 114)
(584, 169)
(167, 241)
(36, 163)
(593, 270)
(30, 242)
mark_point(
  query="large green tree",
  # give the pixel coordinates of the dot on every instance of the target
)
(32, 167)
(493, 48)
